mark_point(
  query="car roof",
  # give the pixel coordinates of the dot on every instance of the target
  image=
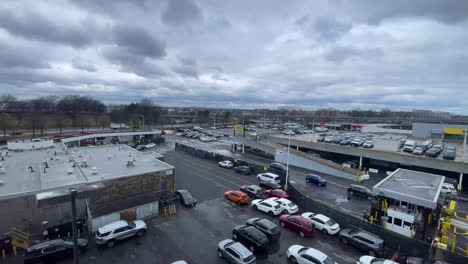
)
(241, 249)
(271, 201)
(369, 236)
(316, 254)
(302, 219)
(322, 217)
(271, 174)
(253, 186)
(112, 226)
(265, 222)
(44, 244)
(283, 200)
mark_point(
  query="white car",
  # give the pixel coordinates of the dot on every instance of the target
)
(328, 139)
(372, 260)
(368, 144)
(268, 177)
(287, 206)
(448, 188)
(226, 164)
(323, 223)
(305, 255)
(267, 206)
(289, 133)
(150, 145)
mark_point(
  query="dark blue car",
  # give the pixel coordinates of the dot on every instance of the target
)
(315, 179)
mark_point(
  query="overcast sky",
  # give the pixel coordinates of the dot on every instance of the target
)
(263, 54)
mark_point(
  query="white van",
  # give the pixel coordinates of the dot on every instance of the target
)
(448, 188)
(409, 146)
(268, 177)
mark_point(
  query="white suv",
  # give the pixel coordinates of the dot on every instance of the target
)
(109, 234)
(267, 206)
(268, 177)
(323, 223)
(448, 188)
(287, 206)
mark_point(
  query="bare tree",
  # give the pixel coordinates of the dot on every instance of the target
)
(7, 102)
(6, 123)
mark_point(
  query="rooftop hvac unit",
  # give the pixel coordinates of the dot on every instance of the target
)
(2, 170)
(94, 171)
(130, 163)
(70, 171)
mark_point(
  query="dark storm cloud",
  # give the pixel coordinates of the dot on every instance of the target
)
(340, 53)
(138, 41)
(181, 12)
(325, 28)
(186, 67)
(13, 57)
(34, 26)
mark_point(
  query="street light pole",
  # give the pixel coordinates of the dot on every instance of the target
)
(73, 194)
(214, 120)
(143, 121)
(287, 166)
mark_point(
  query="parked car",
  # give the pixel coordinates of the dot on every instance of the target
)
(434, 152)
(345, 142)
(141, 147)
(270, 207)
(328, 139)
(297, 223)
(401, 144)
(267, 227)
(351, 164)
(52, 250)
(238, 197)
(370, 243)
(253, 191)
(270, 185)
(368, 144)
(357, 142)
(245, 170)
(323, 223)
(449, 153)
(448, 188)
(419, 150)
(226, 164)
(268, 177)
(250, 237)
(315, 179)
(287, 206)
(278, 166)
(440, 145)
(409, 146)
(234, 252)
(374, 260)
(278, 193)
(150, 145)
(119, 230)
(321, 138)
(186, 198)
(289, 133)
(358, 190)
(305, 255)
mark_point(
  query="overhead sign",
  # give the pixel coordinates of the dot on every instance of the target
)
(239, 127)
(454, 131)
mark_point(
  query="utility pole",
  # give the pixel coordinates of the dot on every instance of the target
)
(287, 166)
(73, 194)
(214, 120)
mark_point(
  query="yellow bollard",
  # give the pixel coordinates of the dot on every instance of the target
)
(3, 254)
(429, 218)
(371, 219)
(78, 232)
(68, 234)
(454, 241)
(466, 250)
(359, 179)
(14, 251)
(265, 168)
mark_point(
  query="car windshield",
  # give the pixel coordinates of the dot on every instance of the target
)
(304, 249)
(131, 223)
(249, 258)
(331, 222)
(99, 234)
(328, 260)
(277, 206)
(378, 261)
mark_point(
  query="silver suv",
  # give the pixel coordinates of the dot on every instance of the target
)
(235, 252)
(109, 234)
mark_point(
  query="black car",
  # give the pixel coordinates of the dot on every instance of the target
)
(52, 250)
(353, 164)
(186, 198)
(278, 166)
(449, 153)
(358, 190)
(270, 185)
(251, 237)
(267, 227)
(253, 191)
(243, 170)
(433, 152)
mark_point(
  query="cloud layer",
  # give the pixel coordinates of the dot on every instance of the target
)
(251, 54)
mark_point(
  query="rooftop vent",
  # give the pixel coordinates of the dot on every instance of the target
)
(2, 170)
(94, 171)
(84, 164)
(130, 163)
(70, 171)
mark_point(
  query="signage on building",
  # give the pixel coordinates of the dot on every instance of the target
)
(239, 127)
(454, 131)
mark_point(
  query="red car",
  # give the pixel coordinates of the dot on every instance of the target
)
(276, 193)
(297, 223)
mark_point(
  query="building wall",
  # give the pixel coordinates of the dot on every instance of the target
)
(424, 130)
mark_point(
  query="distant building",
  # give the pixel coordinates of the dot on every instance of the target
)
(441, 131)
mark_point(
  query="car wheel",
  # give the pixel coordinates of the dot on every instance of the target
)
(325, 231)
(344, 240)
(252, 248)
(255, 207)
(220, 254)
(271, 213)
(238, 203)
(351, 193)
(371, 253)
(140, 233)
(301, 234)
(282, 224)
(110, 243)
(319, 184)
(293, 259)
(234, 236)
(285, 211)
(307, 181)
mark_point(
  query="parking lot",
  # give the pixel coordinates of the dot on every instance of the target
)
(385, 142)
